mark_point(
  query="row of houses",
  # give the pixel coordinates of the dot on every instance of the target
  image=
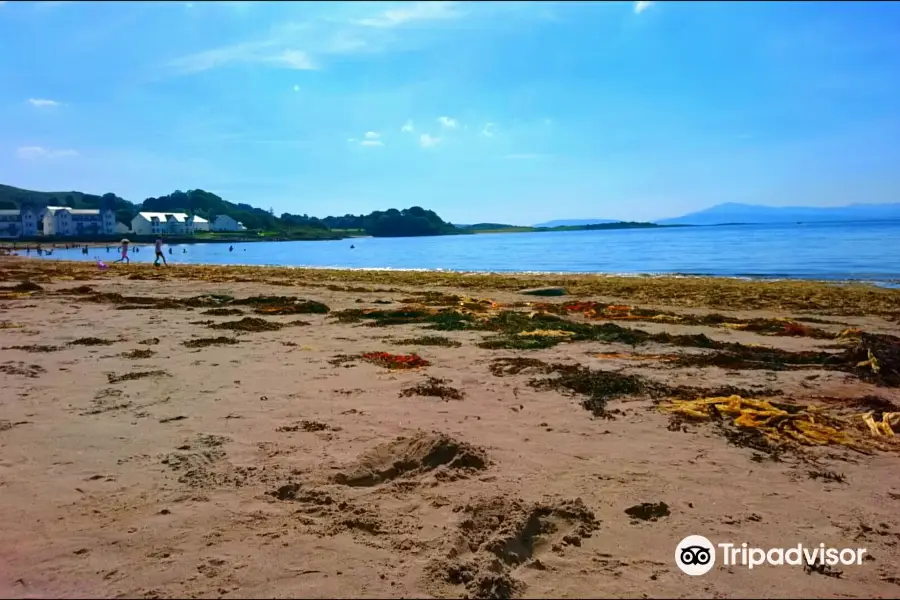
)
(158, 223)
(57, 220)
(65, 221)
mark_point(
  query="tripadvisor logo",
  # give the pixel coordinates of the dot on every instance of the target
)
(696, 555)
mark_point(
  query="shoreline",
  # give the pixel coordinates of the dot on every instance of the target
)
(712, 292)
(888, 283)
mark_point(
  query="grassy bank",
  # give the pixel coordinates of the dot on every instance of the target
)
(708, 292)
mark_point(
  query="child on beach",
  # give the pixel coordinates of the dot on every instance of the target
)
(124, 253)
(159, 253)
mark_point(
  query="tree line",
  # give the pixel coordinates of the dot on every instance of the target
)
(414, 221)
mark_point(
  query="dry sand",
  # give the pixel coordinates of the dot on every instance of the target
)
(264, 469)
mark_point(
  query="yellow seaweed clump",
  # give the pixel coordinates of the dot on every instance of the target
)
(805, 426)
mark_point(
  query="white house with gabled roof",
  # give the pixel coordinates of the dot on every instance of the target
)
(160, 223)
(226, 223)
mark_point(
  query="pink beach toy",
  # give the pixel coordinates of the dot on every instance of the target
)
(102, 265)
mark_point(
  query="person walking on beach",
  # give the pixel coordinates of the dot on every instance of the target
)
(159, 254)
(124, 257)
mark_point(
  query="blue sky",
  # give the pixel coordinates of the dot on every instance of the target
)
(490, 111)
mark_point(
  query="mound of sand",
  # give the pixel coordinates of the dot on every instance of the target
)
(420, 453)
(498, 534)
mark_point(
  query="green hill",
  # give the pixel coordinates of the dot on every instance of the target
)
(414, 221)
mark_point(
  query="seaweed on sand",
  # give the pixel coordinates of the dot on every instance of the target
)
(138, 354)
(766, 426)
(518, 330)
(223, 312)
(279, 301)
(875, 358)
(25, 286)
(395, 361)
(739, 356)
(113, 378)
(216, 341)
(248, 324)
(150, 302)
(428, 340)
(616, 312)
(596, 387)
(343, 360)
(435, 387)
(208, 300)
(382, 318)
(501, 367)
(91, 341)
(34, 348)
(293, 307)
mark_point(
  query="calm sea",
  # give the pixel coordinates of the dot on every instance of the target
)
(834, 251)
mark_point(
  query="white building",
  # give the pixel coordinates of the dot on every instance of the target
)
(158, 223)
(65, 221)
(18, 223)
(199, 223)
(122, 228)
(226, 223)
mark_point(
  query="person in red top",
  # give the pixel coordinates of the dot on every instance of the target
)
(159, 254)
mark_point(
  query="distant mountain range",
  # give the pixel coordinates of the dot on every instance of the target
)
(751, 213)
(732, 212)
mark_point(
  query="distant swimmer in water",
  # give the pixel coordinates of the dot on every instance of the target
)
(230, 248)
(184, 250)
(352, 246)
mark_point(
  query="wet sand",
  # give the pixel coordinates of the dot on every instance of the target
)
(151, 451)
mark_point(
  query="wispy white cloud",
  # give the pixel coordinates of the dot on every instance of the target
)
(411, 12)
(489, 130)
(293, 59)
(448, 122)
(641, 6)
(408, 127)
(43, 103)
(370, 139)
(428, 141)
(263, 53)
(307, 44)
(36, 152)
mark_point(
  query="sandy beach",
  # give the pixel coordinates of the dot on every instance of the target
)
(273, 433)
